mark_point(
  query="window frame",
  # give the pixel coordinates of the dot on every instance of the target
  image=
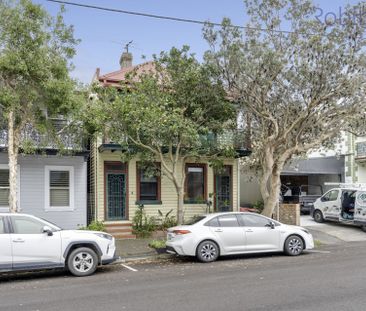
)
(48, 207)
(193, 201)
(138, 186)
(7, 207)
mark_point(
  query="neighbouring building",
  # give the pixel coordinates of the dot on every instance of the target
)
(50, 185)
(116, 187)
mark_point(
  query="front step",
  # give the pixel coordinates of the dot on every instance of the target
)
(120, 230)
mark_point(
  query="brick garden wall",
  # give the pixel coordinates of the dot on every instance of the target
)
(289, 214)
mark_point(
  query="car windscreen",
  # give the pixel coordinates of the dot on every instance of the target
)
(52, 225)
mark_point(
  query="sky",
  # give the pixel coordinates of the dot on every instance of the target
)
(104, 34)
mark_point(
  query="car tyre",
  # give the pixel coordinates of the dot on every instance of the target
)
(363, 228)
(294, 245)
(82, 261)
(207, 251)
(318, 216)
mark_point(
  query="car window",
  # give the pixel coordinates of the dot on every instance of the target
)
(331, 195)
(2, 225)
(251, 220)
(27, 225)
(214, 222)
(228, 221)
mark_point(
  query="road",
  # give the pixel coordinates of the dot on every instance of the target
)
(333, 279)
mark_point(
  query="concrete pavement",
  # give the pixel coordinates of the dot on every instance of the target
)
(332, 232)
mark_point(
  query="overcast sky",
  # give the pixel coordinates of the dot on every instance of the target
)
(103, 34)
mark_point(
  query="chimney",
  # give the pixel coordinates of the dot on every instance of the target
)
(125, 60)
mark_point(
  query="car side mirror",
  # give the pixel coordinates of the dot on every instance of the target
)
(271, 224)
(47, 230)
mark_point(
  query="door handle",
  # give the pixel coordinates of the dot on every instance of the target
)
(249, 230)
(19, 241)
(218, 230)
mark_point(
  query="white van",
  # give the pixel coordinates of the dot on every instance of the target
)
(344, 204)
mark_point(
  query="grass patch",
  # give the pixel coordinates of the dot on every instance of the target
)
(317, 243)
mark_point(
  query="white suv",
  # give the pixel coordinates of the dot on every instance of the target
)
(31, 243)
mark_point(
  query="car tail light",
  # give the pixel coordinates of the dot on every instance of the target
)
(177, 232)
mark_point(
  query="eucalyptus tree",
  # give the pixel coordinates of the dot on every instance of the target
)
(169, 114)
(298, 81)
(35, 49)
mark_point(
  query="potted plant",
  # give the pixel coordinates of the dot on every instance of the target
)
(158, 245)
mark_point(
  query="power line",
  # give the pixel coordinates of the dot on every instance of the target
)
(175, 19)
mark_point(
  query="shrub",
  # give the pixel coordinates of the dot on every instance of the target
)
(259, 206)
(94, 226)
(157, 244)
(142, 225)
(166, 221)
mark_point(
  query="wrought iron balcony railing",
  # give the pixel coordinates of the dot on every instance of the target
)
(32, 138)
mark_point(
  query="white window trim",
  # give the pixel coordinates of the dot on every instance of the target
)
(49, 208)
(7, 208)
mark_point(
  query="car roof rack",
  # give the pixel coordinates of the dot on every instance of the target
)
(346, 185)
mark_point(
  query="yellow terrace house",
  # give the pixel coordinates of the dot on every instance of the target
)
(116, 188)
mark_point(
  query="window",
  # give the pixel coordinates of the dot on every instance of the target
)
(2, 225)
(249, 220)
(59, 188)
(330, 196)
(26, 225)
(228, 221)
(4, 188)
(148, 185)
(214, 222)
(195, 183)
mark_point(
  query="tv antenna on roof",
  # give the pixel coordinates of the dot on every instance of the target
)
(127, 45)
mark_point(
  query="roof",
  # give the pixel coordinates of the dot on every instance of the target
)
(116, 77)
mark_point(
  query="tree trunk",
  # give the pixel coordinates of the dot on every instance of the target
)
(13, 148)
(274, 193)
(180, 193)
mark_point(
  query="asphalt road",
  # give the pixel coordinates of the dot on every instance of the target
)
(334, 279)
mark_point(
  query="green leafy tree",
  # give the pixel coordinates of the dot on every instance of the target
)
(297, 90)
(34, 74)
(170, 114)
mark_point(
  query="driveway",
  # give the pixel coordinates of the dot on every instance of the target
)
(331, 232)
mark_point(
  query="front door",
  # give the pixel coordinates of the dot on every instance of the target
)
(116, 196)
(331, 204)
(223, 197)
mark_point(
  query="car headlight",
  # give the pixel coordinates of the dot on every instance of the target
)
(104, 235)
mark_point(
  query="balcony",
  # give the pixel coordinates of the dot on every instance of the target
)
(361, 152)
(44, 142)
(237, 140)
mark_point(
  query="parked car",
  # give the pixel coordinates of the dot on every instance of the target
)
(344, 204)
(30, 243)
(221, 234)
(305, 195)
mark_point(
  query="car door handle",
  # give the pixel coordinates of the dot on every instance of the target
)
(218, 230)
(249, 230)
(18, 241)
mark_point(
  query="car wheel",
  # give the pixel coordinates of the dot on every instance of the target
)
(318, 216)
(363, 228)
(294, 245)
(207, 251)
(82, 261)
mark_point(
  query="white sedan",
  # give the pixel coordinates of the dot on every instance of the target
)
(223, 234)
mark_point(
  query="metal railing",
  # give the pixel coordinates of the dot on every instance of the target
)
(32, 138)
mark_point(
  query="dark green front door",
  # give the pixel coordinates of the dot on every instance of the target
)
(223, 197)
(116, 196)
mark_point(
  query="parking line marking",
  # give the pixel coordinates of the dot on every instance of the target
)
(129, 268)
